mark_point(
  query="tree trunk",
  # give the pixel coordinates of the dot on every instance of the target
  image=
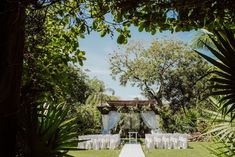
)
(12, 18)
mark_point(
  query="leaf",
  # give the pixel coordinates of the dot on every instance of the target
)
(215, 63)
(190, 12)
(225, 78)
(66, 38)
(141, 27)
(119, 30)
(153, 32)
(103, 33)
(121, 39)
(82, 36)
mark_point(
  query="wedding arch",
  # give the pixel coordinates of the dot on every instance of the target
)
(111, 110)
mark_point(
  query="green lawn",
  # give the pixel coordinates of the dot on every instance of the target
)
(95, 153)
(196, 149)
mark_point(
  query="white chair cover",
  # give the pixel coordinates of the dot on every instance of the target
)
(99, 141)
(166, 141)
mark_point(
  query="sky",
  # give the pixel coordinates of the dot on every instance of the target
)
(97, 53)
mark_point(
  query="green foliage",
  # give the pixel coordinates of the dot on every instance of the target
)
(49, 59)
(82, 17)
(225, 75)
(223, 148)
(199, 39)
(88, 114)
(222, 126)
(51, 75)
(56, 134)
(168, 72)
(180, 122)
(153, 16)
(54, 27)
(89, 119)
(222, 130)
(49, 132)
(97, 95)
(77, 87)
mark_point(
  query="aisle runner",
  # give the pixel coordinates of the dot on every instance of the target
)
(132, 150)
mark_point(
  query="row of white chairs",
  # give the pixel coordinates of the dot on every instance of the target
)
(99, 141)
(166, 141)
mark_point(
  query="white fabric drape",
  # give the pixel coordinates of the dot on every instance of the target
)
(149, 118)
(114, 117)
(105, 121)
(157, 124)
(109, 121)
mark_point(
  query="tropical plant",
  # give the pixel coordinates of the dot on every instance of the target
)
(224, 79)
(223, 148)
(222, 125)
(222, 129)
(52, 133)
(200, 38)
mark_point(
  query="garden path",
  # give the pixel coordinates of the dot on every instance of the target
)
(132, 150)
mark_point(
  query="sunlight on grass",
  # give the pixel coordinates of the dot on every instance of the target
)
(95, 153)
(196, 149)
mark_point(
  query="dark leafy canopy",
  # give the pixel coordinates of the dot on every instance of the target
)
(49, 79)
(224, 41)
(81, 16)
(165, 15)
(168, 70)
(49, 58)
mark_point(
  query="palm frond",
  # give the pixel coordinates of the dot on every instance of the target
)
(222, 129)
(224, 80)
(55, 133)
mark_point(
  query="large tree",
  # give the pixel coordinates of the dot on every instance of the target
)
(87, 16)
(167, 71)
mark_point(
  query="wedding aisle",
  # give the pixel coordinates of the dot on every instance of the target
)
(132, 150)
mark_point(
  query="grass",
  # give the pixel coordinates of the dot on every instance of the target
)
(95, 153)
(196, 149)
